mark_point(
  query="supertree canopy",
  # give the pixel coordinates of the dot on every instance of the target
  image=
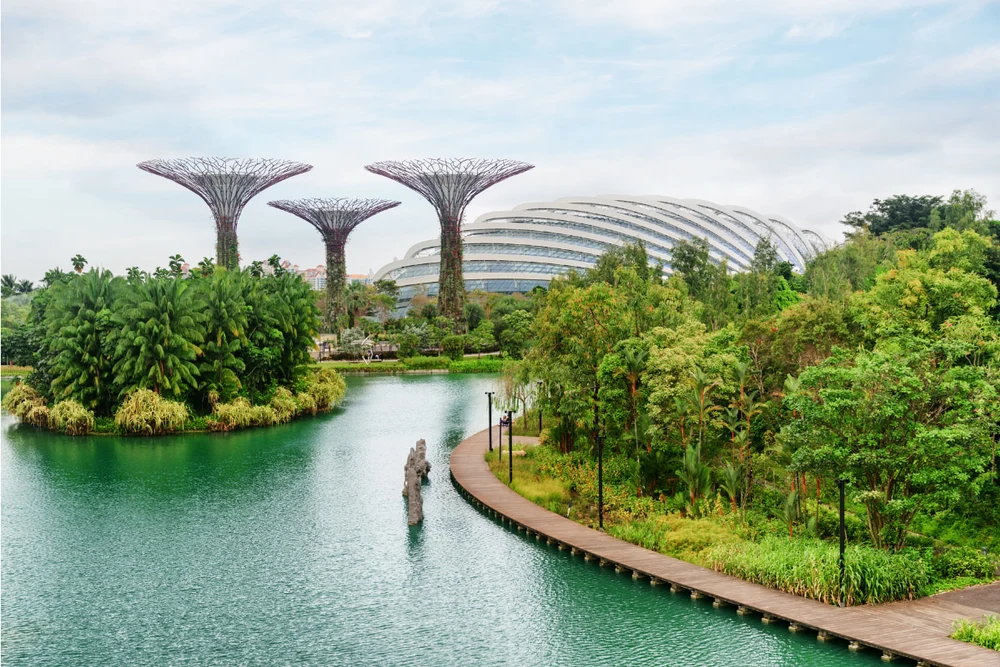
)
(449, 185)
(335, 219)
(226, 185)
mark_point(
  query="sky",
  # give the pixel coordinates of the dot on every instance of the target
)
(804, 109)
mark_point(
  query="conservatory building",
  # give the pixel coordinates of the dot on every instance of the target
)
(518, 250)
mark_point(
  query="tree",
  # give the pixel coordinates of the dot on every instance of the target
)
(225, 323)
(481, 338)
(176, 265)
(899, 212)
(909, 429)
(78, 261)
(516, 333)
(159, 337)
(80, 329)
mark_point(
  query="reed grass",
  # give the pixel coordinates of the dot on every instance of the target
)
(71, 417)
(144, 412)
(810, 568)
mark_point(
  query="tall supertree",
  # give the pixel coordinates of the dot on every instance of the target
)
(226, 185)
(335, 219)
(449, 185)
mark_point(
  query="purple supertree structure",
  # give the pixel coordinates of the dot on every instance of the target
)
(226, 185)
(449, 185)
(335, 219)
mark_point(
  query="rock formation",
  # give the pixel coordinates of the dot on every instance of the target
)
(414, 473)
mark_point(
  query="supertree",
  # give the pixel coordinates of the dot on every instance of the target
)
(449, 185)
(226, 185)
(335, 219)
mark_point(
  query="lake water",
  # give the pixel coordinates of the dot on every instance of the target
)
(290, 546)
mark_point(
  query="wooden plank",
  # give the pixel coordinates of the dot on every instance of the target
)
(917, 629)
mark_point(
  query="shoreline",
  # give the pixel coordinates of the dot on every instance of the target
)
(918, 630)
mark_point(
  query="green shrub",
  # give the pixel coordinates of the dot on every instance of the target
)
(453, 346)
(144, 412)
(480, 365)
(240, 413)
(985, 633)
(306, 402)
(22, 401)
(963, 562)
(71, 417)
(811, 568)
(326, 387)
(426, 363)
(284, 405)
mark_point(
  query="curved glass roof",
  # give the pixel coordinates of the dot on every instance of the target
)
(515, 250)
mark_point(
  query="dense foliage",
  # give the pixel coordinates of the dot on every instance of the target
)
(749, 395)
(156, 350)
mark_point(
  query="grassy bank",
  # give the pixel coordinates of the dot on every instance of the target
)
(14, 371)
(985, 633)
(751, 544)
(417, 364)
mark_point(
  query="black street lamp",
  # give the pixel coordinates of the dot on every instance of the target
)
(510, 446)
(600, 482)
(539, 408)
(841, 483)
(489, 403)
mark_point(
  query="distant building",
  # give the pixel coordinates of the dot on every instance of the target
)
(517, 250)
(316, 276)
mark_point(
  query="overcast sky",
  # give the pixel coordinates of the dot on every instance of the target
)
(808, 109)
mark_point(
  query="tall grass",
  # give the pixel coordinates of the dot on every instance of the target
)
(27, 405)
(552, 494)
(811, 568)
(144, 412)
(986, 633)
(71, 417)
(673, 535)
(240, 413)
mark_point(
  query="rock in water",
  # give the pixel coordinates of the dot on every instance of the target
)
(414, 473)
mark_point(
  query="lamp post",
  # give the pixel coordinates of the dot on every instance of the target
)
(841, 483)
(600, 482)
(489, 423)
(510, 446)
(539, 408)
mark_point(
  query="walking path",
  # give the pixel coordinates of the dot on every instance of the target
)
(917, 629)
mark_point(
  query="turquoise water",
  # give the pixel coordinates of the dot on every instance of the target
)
(290, 546)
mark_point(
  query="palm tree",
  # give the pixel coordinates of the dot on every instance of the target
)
(81, 328)
(8, 284)
(358, 301)
(25, 287)
(700, 398)
(225, 334)
(78, 261)
(176, 265)
(157, 342)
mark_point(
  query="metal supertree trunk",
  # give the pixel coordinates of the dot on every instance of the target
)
(226, 185)
(335, 219)
(449, 185)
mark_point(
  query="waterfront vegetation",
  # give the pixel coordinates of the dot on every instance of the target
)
(731, 403)
(149, 354)
(984, 633)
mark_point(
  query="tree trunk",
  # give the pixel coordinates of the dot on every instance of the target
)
(336, 283)
(227, 252)
(451, 283)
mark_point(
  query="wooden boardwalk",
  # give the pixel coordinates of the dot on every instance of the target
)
(917, 630)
